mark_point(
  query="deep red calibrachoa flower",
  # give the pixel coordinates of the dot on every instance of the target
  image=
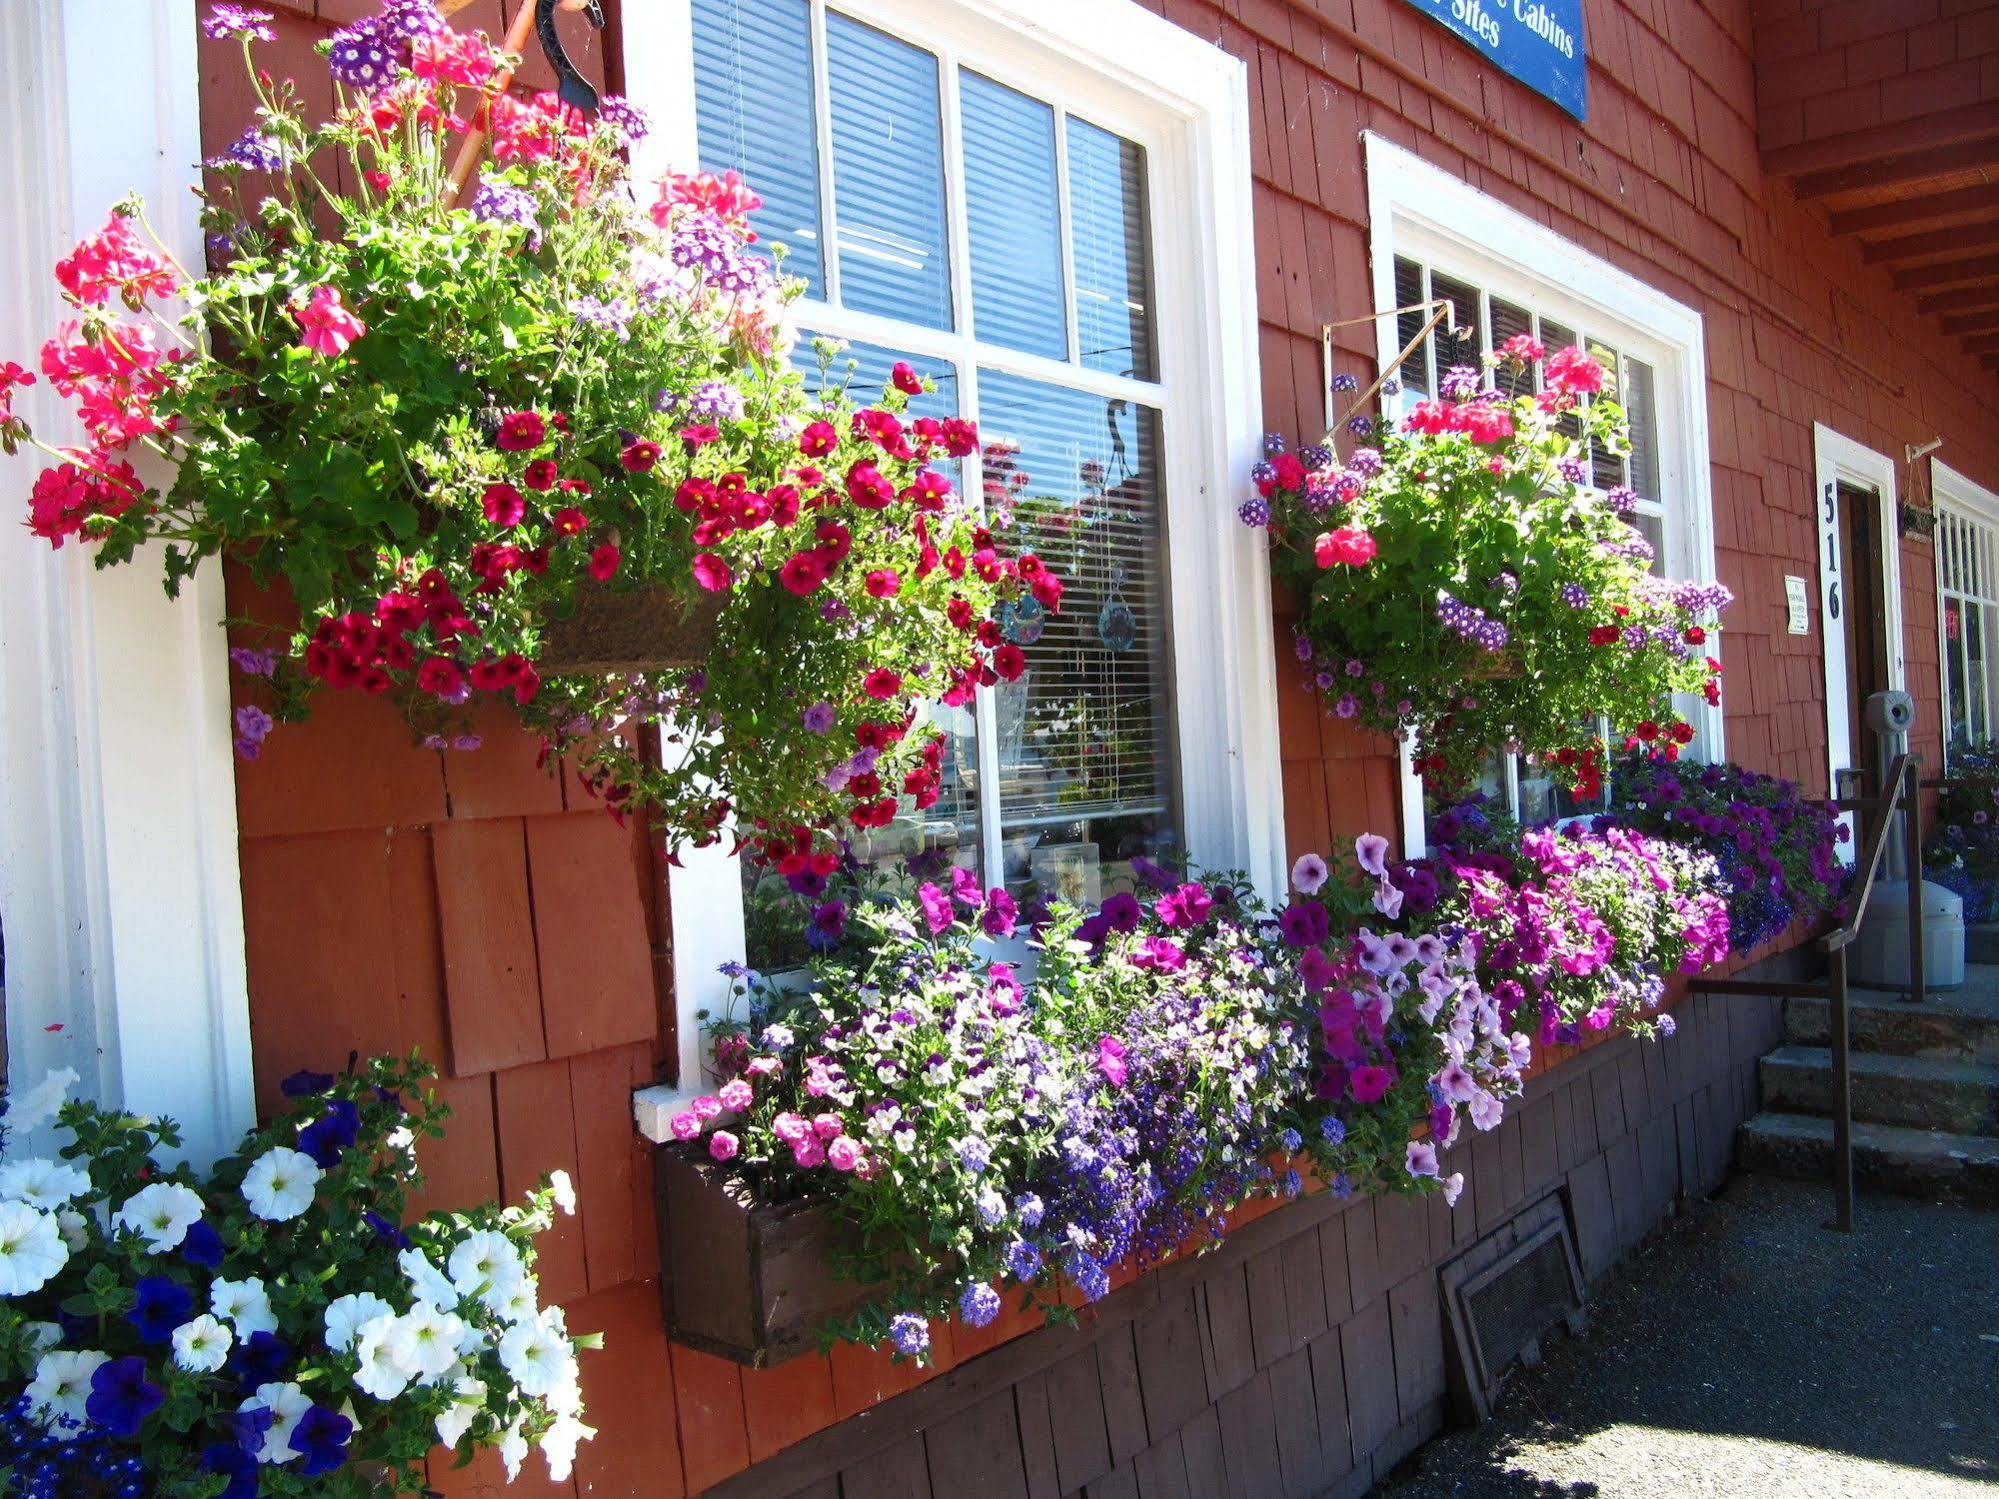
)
(960, 612)
(1009, 661)
(1603, 635)
(882, 683)
(541, 475)
(905, 378)
(503, 504)
(818, 439)
(440, 675)
(639, 457)
(696, 437)
(711, 572)
(883, 583)
(802, 573)
(1695, 635)
(1648, 731)
(868, 488)
(520, 431)
(604, 561)
(569, 521)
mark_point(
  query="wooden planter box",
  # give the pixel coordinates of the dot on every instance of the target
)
(744, 1281)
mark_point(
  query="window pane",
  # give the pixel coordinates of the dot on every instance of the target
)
(753, 112)
(1954, 682)
(1013, 209)
(1461, 347)
(1509, 321)
(1642, 406)
(1112, 250)
(1977, 621)
(888, 175)
(1415, 370)
(1085, 736)
(1555, 336)
(862, 370)
(1606, 467)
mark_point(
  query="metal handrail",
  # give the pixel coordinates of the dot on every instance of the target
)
(1900, 793)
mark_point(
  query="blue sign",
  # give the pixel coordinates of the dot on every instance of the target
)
(1540, 42)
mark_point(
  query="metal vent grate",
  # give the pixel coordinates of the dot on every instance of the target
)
(1504, 1293)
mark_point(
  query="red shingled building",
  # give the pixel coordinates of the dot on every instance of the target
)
(1782, 217)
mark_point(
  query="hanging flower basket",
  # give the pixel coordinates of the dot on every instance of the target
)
(748, 1281)
(547, 444)
(1460, 582)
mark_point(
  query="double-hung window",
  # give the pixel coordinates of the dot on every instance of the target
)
(1436, 239)
(1967, 551)
(985, 190)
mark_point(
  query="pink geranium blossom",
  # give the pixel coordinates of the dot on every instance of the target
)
(329, 328)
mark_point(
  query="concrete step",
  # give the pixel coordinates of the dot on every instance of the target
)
(1913, 1162)
(1963, 1026)
(1930, 1093)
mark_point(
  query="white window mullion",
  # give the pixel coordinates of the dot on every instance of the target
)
(822, 110)
(1067, 235)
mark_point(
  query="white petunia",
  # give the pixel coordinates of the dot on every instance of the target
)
(62, 1384)
(424, 1340)
(538, 1356)
(201, 1346)
(43, 1184)
(558, 1445)
(75, 1230)
(565, 1191)
(161, 1214)
(486, 1265)
(31, 1249)
(345, 1314)
(37, 1106)
(426, 1282)
(244, 1304)
(383, 1372)
(514, 1449)
(457, 1417)
(281, 1184)
(286, 1403)
(523, 1303)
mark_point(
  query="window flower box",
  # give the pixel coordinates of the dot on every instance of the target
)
(748, 1281)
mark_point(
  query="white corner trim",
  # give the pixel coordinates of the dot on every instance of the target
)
(1415, 205)
(119, 880)
(1188, 100)
(1967, 494)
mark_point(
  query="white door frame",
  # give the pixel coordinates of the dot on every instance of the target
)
(119, 880)
(1836, 458)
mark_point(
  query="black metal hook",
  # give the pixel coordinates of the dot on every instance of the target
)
(571, 86)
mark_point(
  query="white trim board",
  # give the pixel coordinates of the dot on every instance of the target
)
(1187, 102)
(1836, 457)
(1419, 209)
(119, 882)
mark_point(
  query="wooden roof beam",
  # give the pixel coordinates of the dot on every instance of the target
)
(1930, 242)
(1962, 300)
(1906, 211)
(1948, 273)
(1854, 148)
(1973, 322)
(1910, 166)
(1984, 343)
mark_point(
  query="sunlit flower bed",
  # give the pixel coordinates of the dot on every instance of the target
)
(1106, 1097)
(273, 1326)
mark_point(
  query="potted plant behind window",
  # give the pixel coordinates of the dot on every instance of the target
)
(1461, 583)
(545, 444)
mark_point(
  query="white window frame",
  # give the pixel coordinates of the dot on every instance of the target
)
(1835, 458)
(119, 879)
(1419, 211)
(1959, 494)
(1187, 102)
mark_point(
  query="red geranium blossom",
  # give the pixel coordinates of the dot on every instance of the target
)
(1348, 546)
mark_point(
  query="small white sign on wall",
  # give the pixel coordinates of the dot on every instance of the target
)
(1795, 596)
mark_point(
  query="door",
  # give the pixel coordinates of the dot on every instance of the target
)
(1859, 555)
